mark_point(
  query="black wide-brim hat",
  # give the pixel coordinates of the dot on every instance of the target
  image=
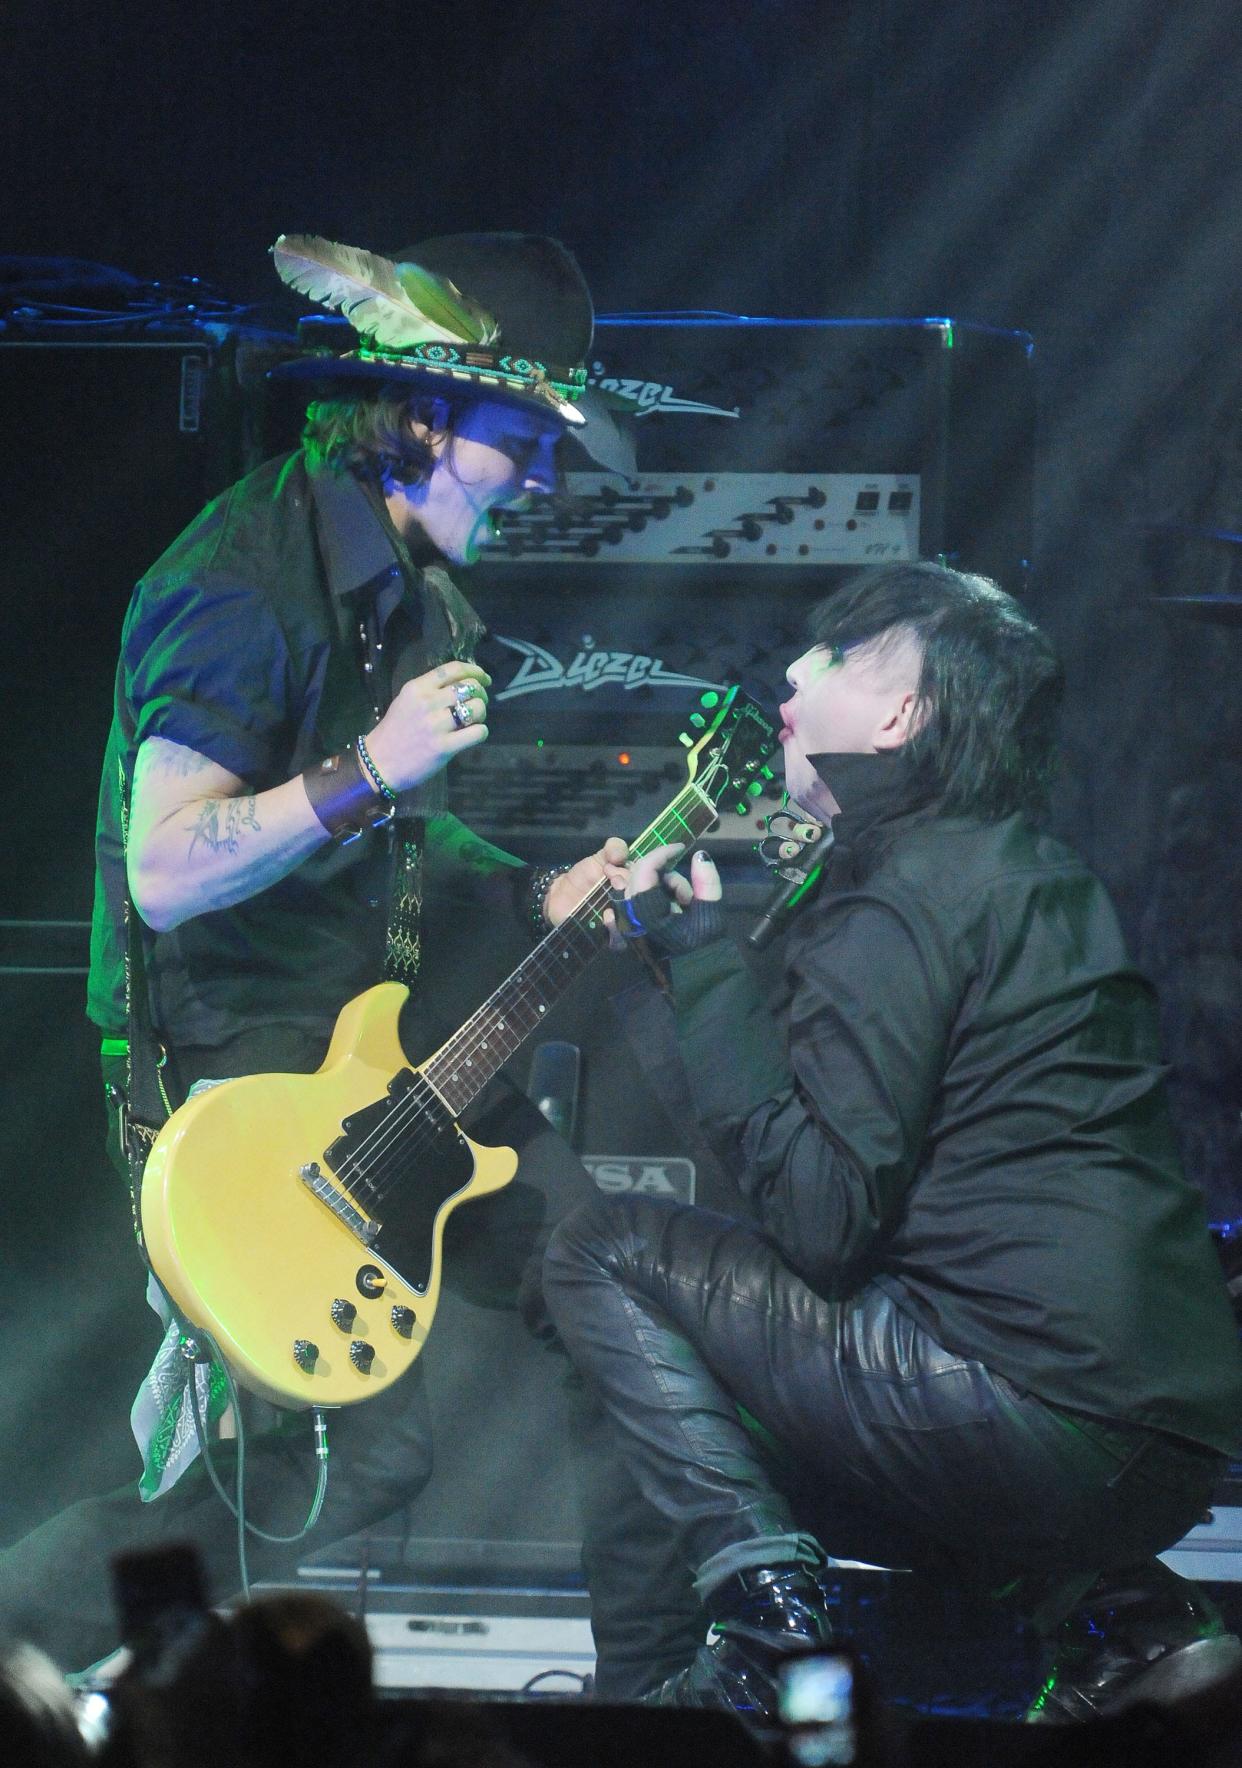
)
(498, 316)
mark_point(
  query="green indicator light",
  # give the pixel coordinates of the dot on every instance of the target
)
(539, 742)
(710, 700)
(685, 741)
(755, 789)
(948, 337)
(697, 720)
(766, 773)
(811, 878)
(741, 808)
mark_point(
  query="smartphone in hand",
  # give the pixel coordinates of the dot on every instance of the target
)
(818, 1707)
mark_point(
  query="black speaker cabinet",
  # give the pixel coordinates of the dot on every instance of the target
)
(108, 450)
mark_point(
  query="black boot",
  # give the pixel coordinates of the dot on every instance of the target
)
(1143, 1636)
(758, 1618)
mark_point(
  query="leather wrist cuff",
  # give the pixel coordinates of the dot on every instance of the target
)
(343, 797)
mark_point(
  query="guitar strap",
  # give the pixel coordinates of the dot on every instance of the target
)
(432, 623)
(403, 942)
(146, 1105)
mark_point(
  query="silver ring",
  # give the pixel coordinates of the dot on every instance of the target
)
(466, 690)
(462, 714)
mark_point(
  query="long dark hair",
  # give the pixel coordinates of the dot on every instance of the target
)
(369, 434)
(989, 685)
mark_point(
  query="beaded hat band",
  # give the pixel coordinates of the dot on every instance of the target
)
(504, 315)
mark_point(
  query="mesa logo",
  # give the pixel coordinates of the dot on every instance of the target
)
(642, 1175)
(651, 396)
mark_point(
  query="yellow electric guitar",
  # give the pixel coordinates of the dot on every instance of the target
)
(299, 1218)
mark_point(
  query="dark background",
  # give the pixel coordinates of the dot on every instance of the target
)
(1071, 169)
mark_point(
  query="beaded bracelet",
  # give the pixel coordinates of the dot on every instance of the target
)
(537, 887)
(376, 777)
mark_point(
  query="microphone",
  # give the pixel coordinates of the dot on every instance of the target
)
(789, 894)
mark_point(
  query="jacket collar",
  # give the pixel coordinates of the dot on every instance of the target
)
(874, 791)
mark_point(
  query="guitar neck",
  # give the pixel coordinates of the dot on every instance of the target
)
(462, 1067)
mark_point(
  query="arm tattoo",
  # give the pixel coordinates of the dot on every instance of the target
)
(173, 758)
(238, 815)
(478, 856)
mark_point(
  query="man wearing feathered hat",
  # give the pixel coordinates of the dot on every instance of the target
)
(296, 675)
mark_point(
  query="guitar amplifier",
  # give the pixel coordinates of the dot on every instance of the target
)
(774, 456)
(477, 1638)
(78, 535)
(798, 444)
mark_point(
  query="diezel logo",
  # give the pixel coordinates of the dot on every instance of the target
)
(650, 396)
(540, 672)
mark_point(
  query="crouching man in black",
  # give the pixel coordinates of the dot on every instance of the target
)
(981, 1314)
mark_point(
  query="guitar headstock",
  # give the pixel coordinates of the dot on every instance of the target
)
(730, 761)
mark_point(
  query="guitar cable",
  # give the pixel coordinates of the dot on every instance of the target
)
(237, 1508)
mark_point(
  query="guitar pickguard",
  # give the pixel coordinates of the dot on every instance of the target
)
(401, 1159)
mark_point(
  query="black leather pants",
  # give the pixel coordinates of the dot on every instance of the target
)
(861, 1427)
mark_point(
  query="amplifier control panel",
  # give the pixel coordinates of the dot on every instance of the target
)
(721, 519)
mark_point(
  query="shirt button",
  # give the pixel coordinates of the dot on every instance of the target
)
(372, 902)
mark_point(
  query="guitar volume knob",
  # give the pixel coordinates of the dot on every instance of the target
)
(403, 1320)
(344, 1313)
(305, 1355)
(362, 1355)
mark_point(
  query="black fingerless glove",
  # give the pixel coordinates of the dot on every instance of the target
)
(671, 932)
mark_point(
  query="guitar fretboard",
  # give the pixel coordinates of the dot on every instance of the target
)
(462, 1067)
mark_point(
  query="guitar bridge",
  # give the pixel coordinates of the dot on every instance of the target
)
(339, 1202)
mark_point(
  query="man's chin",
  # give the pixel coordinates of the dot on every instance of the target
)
(481, 538)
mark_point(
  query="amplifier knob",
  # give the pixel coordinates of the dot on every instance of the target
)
(403, 1321)
(362, 1355)
(305, 1354)
(344, 1313)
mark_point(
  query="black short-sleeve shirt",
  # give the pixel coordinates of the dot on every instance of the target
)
(243, 643)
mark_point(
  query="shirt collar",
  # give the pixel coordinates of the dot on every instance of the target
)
(357, 549)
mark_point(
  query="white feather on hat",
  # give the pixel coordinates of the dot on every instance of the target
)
(396, 305)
